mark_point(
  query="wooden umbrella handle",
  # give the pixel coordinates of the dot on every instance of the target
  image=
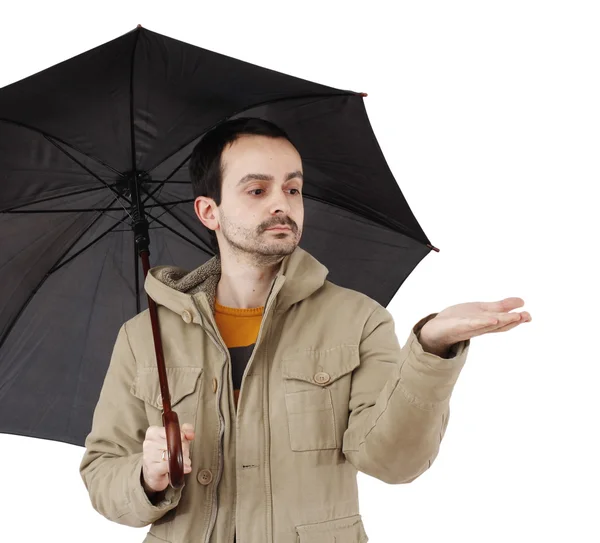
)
(170, 418)
(174, 448)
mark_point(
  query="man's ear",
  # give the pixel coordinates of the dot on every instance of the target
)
(207, 212)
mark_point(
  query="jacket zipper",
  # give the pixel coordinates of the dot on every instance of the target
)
(215, 497)
(223, 348)
(268, 422)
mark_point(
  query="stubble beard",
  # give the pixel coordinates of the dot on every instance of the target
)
(257, 248)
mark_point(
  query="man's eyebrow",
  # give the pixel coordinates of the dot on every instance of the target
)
(264, 177)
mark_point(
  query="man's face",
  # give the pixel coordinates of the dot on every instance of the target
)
(262, 188)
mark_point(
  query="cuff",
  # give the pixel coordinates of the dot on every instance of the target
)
(455, 350)
(428, 377)
(141, 505)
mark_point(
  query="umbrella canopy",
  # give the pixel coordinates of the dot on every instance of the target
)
(80, 141)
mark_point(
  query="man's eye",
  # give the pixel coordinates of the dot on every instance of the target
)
(254, 190)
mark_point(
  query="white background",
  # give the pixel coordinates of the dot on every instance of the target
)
(488, 114)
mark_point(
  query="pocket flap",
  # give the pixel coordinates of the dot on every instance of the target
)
(181, 382)
(335, 362)
(344, 530)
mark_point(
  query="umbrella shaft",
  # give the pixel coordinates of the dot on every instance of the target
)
(145, 261)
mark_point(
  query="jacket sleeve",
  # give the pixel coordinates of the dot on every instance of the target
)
(399, 401)
(112, 463)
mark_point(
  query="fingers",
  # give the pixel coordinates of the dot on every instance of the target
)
(524, 317)
(508, 304)
(156, 442)
(504, 328)
(159, 433)
(496, 320)
(188, 430)
(155, 469)
(504, 322)
(511, 319)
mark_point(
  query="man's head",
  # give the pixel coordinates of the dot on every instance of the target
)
(247, 177)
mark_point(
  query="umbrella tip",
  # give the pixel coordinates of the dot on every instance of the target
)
(363, 94)
(433, 248)
(139, 26)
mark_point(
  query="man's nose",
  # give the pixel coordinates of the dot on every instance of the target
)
(279, 203)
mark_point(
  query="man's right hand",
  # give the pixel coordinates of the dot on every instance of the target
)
(155, 470)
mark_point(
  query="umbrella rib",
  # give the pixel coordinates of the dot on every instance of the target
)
(95, 240)
(131, 110)
(177, 202)
(163, 183)
(129, 229)
(88, 328)
(160, 204)
(79, 210)
(41, 283)
(164, 211)
(46, 135)
(84, 191)
(85, 210)
(180, 235)
(109, 187)
(347, 93)
(167, 182)
(172, 204)
(398, 231)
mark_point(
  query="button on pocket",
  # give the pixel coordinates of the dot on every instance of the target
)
(317, 384)
(322, 378)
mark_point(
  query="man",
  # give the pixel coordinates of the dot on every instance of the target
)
(285, 383)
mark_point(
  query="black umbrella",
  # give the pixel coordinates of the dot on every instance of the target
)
(93, 156)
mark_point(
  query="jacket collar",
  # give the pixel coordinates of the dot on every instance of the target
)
(173, 287)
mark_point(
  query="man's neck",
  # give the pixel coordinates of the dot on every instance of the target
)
(245, 284)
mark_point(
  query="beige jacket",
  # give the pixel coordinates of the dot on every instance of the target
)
(328, 391)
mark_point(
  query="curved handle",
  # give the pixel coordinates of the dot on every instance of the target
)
(174, 449)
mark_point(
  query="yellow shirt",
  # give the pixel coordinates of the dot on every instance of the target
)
(239, 329)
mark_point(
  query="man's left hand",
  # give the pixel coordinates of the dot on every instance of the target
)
(464, 321)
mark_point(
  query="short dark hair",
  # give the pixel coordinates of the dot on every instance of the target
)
(205, 166)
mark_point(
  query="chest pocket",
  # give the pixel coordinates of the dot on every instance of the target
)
(184, 389)
(317, 392)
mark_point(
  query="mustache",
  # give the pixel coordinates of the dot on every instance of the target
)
(289, 223)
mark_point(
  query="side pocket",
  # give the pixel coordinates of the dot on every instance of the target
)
(343, 530)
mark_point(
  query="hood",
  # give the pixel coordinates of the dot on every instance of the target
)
(176, 288)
